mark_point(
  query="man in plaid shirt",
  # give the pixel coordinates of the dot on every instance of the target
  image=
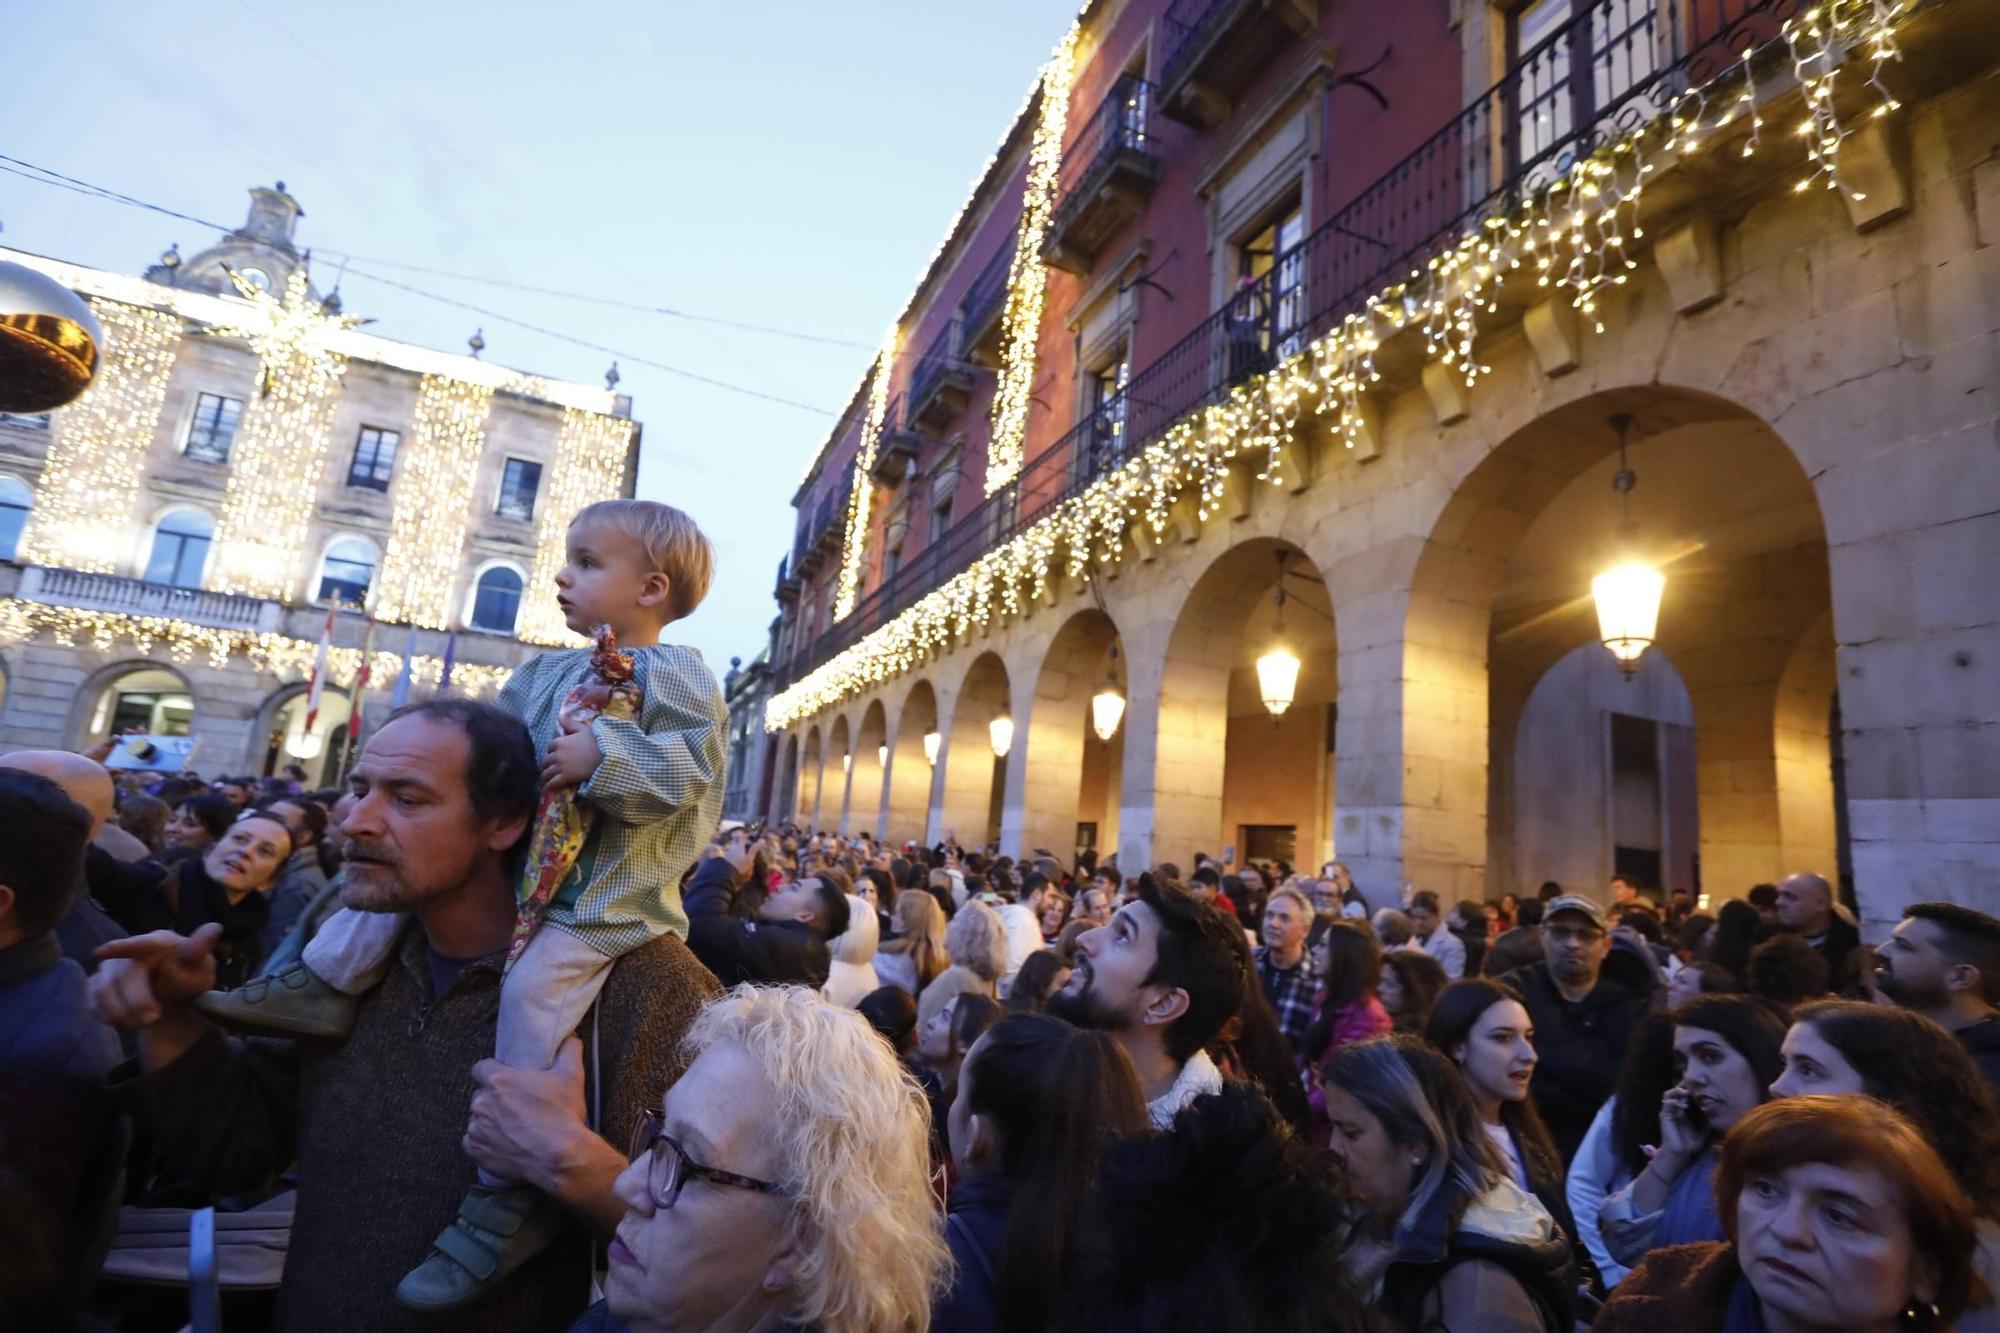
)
(1284, 967)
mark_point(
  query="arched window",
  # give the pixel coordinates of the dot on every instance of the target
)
(496, 600)
(347, 571)
(15, 502)
(180, 548)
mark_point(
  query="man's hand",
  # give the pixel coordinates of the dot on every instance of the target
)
(737, 852)
(528, 1124)
(148, 977)
(572, 758)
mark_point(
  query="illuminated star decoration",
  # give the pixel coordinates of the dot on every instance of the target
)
(294, 331)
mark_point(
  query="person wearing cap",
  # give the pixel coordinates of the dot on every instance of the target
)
(1583, 1016)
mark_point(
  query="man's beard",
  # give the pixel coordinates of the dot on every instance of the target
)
(375, 884)
(1084, 1008)
(1907, 996)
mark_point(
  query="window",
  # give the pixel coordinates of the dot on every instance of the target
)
(15, 502)
(496, 600)
(213, 427)
(892, 562)
(374, 459)
(152, 701)
(180, 549)
(940, 518)
(1271, 292)
(1270, 842)
(1561, 84)
(1105, 441)
(518, 485)
(347, 571)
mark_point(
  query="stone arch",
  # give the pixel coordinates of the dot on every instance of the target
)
(871, 767)
(785, 802)
(1222, 770)
(907, 804)
(279, 723)
(837, 765)
(1068, 776)
(812, 779)
(1500, 591)
(1576, 784)
(970, 785)
(85, 727)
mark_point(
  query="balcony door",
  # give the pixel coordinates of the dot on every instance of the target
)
(1572, 67)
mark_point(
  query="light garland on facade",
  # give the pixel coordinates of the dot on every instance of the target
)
(861, 495)
(279, 654)
(279, 451)
(1573, 238)
(589, 466)
(87, 497)
(1027, 275)
(427, 529)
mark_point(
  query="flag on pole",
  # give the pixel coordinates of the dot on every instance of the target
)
(316, 684)
(401, 695)
(450, 653)
(361, 675)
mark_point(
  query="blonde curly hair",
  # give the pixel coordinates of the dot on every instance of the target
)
(852, 1131)
(976, 939)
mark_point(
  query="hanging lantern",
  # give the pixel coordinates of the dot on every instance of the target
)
(1107, 706)
(305, 745)
(50, 342)
(1107, 709)
(1278, 668)
(1278, 678)
(847, 763)
(931, 740)
(1628, 610)
(1628, 594)
(1001, 730)
(882, 755)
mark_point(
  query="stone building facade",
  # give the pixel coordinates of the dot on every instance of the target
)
(171, 544)
(1344, 326)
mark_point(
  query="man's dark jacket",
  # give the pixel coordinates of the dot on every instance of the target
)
(374, 1123)
(740, 948)
(1582, 1045)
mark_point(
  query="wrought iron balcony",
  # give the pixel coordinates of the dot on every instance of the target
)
(979, 313)
(941, 384)
(1609, 69)
(788, 581)
(1108, 174)
(136, 597)
(897, 447)
(1216, 47)
(821, 535)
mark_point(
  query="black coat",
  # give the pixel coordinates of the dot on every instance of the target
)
(145, 895)
(1582, 1046)
(738, 948)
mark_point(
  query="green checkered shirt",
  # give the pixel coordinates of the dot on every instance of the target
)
(658, 790)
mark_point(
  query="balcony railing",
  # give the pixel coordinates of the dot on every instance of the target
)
(941, 384)
(111, 592)
(897, 446)
(1604, 73)
(979, 317)
(1108, 173)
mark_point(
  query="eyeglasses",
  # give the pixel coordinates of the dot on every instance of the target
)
(670, 1166)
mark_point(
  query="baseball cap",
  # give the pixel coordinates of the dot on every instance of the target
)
(1574, 902)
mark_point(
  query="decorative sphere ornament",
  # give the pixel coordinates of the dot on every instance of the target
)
(50, 342)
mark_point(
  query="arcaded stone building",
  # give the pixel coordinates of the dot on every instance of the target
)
(172, 542)
(1351, 343)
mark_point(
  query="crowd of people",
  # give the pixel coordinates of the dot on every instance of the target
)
(817, 1082)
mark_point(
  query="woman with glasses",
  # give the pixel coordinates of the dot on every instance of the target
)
(784, 1184)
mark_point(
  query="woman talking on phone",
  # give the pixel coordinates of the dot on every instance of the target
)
(1729, 1050)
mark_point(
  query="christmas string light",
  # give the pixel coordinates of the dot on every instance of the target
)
(87, 497)
(1027, 275)
(861, 494)
(1573, 237)
(278, 654)
(279, 452)
(589, 466)
(433, 507)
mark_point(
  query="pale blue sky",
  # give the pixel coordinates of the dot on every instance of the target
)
(789, 164)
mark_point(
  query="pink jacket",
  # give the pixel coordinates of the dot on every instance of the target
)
(1352, 1022)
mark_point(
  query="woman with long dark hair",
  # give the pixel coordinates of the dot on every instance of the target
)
(1349, 963)
(1461, 1246)
(1038, 1101)
(1737, 929)
(1614, 1149)
(1252, 1048)
(1483, 1027)
(1727, 1048)
(1408, 987)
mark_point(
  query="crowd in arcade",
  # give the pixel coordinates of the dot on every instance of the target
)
(455, 1053)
